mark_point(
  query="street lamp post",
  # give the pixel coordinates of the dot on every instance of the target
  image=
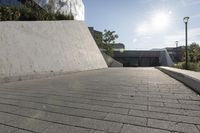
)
(177, 44)
(186, 19)
(176, 51)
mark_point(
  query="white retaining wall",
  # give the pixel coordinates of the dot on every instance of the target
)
(37, 49)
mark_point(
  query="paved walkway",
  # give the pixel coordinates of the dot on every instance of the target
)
(129, 100)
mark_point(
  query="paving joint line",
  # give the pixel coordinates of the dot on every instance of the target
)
(115, 107)
(63, 106)
(18, 128)
(26, 94)
(50, 121)
(79, 126)
(197, 127)
(100, 96)
(121, 128)
(118, 102)
(113, 97)
(99, 118)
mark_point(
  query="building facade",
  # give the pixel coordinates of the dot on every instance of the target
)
(10, 2)
(97, 35)
(133, 58)
(119, 47)
(67, 7)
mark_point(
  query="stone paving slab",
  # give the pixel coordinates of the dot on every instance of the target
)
(137, 129)
(119, 100)
(7, 129)
(174, 126)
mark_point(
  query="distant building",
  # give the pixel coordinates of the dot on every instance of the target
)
(21, 3)
(119, 46)
(67, 7)
(97, 35)
(133, 58)
(10, 3)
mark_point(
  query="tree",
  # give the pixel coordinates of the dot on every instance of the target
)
(194, 52)
(108, 41)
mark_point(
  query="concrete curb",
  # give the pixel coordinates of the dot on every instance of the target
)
(188, 80)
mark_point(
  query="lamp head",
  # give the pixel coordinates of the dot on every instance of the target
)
(186, 19)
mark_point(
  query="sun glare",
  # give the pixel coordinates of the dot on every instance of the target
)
(161, 20)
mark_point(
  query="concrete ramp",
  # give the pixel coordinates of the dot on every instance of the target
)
(40, 49)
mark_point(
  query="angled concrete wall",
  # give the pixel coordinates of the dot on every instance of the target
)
(110, 61)
(37, 49)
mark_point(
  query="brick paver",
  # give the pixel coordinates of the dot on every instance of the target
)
(120, 100)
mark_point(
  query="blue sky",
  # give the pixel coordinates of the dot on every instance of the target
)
(145, 24)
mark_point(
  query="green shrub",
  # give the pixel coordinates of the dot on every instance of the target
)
(191, 66)
(7, 13)
(29, 14)
(59, 16)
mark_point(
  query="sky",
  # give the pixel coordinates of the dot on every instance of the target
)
(146, 24)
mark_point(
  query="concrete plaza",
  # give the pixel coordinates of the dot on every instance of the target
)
(118, 100)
